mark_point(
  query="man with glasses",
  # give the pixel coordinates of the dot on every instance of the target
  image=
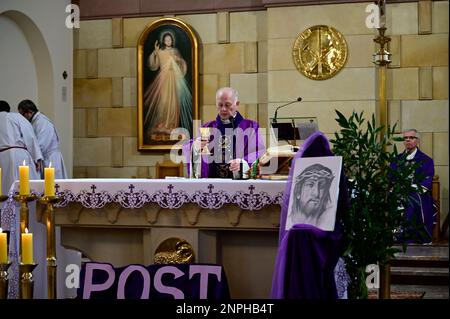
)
(420, 210)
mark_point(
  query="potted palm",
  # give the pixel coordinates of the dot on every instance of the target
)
(379, 195)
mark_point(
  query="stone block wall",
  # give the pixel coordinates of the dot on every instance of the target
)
(252, 51)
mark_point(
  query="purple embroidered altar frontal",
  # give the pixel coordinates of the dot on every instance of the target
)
(174, 281)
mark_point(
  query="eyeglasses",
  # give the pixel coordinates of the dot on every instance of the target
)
(409, 137)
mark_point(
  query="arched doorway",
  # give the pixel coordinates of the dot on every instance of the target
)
(32, 73)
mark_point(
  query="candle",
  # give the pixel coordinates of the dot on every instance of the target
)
(27, 247)
(24, 179)
(49, 176)
(3, 247)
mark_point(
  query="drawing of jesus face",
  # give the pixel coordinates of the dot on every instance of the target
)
(312, 190)
(312, 196)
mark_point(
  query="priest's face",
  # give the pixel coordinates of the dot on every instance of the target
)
(227, 104)
(312, 196)
(410, 140)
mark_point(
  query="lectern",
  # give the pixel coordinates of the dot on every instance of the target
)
(292, 130)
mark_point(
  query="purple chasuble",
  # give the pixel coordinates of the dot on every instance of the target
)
(249, 146)
(307, 255)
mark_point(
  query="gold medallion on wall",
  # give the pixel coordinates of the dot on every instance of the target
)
(320, 52)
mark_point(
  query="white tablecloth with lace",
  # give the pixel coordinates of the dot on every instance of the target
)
(250, 195)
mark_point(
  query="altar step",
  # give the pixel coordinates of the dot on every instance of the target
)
(421, 269)
(414, 292)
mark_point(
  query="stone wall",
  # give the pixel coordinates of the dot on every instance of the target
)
(252, 51)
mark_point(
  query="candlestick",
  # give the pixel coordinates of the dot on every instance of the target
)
(4, 280)
(49, 201)
(382, 58)
(49, 176)
(26, 286)
(27, 247)
(24, 179)
(24, 219)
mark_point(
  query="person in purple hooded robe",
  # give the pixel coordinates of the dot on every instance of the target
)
(420, 211)
(307, 256)
(234, 144)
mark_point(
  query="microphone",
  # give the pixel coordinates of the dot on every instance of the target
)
(232, 121)
(239, 174)
(234, 146)
(276, 111)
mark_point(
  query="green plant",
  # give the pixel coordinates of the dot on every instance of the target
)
(379, 195)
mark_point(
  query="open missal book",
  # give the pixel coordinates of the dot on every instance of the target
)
(283, 156)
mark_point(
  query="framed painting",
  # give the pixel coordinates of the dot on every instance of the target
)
(167, 84)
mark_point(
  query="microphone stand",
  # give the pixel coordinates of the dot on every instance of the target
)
(276, 111)
(275, 124)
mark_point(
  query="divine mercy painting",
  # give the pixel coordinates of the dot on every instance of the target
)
(167, 84)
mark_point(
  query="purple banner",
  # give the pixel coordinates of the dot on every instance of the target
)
(174, 281)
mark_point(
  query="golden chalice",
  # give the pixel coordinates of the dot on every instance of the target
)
(205, 134)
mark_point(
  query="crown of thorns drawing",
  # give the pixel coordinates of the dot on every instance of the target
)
(316, 171)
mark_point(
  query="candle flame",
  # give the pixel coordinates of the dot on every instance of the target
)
(26, 230)
(24, 163)
(50, 165)
(1, 230)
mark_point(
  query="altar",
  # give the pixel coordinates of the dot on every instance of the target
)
(233, 223)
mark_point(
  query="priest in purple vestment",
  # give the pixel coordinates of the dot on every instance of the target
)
(420, 210)
(307, 255)
(234, 144)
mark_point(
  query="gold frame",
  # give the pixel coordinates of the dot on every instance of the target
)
(142, 146)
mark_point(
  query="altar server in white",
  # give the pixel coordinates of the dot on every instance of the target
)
(47, 137)
(18, 143)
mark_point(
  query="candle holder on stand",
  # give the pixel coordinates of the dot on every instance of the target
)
(24, 213)
(382, 58)
(50, 201)
(23, 200)
(26, 285)
(4, 280)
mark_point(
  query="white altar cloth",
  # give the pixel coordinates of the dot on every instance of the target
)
(170, 193)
